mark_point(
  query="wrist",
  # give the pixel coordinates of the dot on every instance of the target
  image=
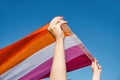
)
(60, 39)
(96, 74)
(96, 77)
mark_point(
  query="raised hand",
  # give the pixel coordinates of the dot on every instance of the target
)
(58, 69)
(96, 68)
(55, 27)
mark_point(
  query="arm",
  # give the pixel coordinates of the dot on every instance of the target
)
(58, 70)
(96, 68)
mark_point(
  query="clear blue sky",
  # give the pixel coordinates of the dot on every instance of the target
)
(95, 22)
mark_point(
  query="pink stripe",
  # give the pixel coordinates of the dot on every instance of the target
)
(79, 62)
(44, 69)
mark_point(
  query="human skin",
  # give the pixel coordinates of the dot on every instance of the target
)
(58, 69)
(96, 68)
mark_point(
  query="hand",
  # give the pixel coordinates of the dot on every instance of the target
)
(55, 27)
(96, 68)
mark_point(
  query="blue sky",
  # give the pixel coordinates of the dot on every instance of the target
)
(95, 22)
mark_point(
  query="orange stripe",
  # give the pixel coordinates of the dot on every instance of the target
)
(10, 50)
(27, 50)
(17, 52)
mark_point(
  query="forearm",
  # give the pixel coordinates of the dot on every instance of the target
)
(58, 70)
(96, 76)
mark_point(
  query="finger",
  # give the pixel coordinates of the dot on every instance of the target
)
(58, 26)
(99, 66)
(96, 62)
(54, 22)
(94, 59)
(92, 64)
(48, 28)
(61, 22)
(56, 19)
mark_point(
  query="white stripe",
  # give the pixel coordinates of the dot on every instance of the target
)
(33, 61)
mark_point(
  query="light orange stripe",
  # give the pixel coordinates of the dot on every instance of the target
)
(17, 52)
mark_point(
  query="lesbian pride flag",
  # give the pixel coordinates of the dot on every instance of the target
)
(31, 57)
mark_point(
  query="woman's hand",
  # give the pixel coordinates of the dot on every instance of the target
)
(96, 68)
(58, 69)
(55, 27)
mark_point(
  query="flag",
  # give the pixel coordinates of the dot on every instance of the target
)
(31, 57)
